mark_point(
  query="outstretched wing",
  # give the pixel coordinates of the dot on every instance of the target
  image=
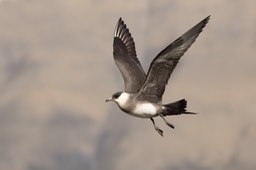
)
(164, 63)
(126, 59)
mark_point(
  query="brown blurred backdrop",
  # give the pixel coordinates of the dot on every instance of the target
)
(56, 70)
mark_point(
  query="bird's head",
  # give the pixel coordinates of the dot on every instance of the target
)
(119, 97)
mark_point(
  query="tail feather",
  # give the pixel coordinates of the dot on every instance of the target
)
(176, 108)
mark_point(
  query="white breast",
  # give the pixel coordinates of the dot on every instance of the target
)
(145, 109)
(123, 99)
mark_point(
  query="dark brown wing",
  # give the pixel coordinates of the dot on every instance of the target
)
(126, 59)
(165, 62)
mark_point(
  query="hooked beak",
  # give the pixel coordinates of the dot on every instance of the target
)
(109, 99)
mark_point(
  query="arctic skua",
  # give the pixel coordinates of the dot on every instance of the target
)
(143, 93)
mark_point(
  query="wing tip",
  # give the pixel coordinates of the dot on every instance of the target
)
(122, 31)
(207, 19)
(122, 34)
(198, 28)
(204, 21)
(120, 25)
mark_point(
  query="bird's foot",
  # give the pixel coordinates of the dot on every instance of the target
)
(168, 123)
(160, 131)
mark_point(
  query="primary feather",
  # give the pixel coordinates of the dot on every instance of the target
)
(165, 62)
(126, 59)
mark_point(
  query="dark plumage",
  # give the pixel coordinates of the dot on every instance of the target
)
(124, 52)
(165, 62)
(143, 93)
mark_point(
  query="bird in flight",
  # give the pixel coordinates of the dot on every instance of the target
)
(143, 93)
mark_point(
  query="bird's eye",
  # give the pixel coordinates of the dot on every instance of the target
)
(116, 95)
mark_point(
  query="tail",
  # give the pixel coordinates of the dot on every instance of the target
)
(176, 108)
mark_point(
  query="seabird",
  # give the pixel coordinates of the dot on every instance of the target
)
(143, 92)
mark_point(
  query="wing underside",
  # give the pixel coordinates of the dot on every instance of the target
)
(165, 62)
(126, 59)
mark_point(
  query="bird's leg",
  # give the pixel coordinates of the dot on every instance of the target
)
(168, 123)
(160, 131)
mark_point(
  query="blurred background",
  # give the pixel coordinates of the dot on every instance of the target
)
(57, 69)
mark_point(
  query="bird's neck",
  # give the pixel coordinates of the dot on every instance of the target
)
(123, 99)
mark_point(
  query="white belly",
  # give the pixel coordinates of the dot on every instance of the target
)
(145, 110)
